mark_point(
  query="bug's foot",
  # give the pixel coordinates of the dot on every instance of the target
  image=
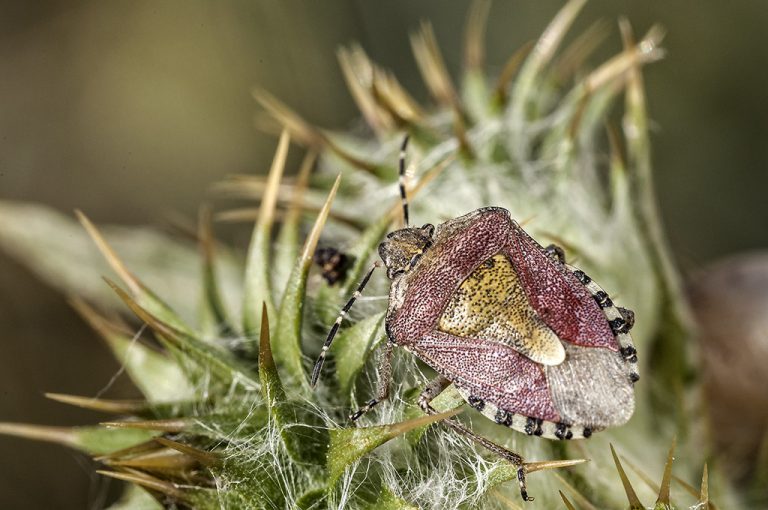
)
(555, 253)
(521, 481)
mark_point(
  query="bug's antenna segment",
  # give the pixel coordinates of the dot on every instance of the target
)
(335, 329)
(401, 180)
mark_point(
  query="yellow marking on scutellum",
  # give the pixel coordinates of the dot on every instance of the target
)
(491, 305)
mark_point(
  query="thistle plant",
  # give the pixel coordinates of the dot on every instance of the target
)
(228, 418)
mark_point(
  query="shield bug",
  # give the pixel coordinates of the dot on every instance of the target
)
(529, 341)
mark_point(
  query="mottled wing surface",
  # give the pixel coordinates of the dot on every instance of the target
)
(561, 301)
(491, 371)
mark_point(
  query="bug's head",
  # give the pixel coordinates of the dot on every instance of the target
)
(402, 248)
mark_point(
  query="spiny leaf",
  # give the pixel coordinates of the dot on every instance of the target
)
(474, 86)
(543, 465)
(203, 457)
(358, 73)
(148, 482)
(572, 58)
(398, 103)
(352, 348)
(146, 298)
(508, 72)
(271, 386)
(211, 293)
(287, 346)
(165, 462)
(348, 445)
(301, 429)
(619, 193)
(240, 424)
(432, 66)
(287, 243)
(257, 270)
(218, 362)
(704, 494)
(566, 502)
(173, 425)
(634, 502)
(106, 406)
(147, 446)
(474, 33)
(438, 81)
(307, 134)
(662, 503)
(582, 501)
(540, 56)
(690, 489)
(98, 440)
(94, 440)
(158, 378)
(656, 488)
(589, 100)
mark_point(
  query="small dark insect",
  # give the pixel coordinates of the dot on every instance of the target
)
(333, 263)
(530, 342)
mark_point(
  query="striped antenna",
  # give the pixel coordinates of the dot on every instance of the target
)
(401, 181)
(336, 325)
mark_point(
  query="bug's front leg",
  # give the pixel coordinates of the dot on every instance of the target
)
(382, 387)
(433, 389)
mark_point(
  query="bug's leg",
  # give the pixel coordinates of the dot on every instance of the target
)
(555, 253)
(433, 389)
(628, 316)
(382, 387)
(335, 329)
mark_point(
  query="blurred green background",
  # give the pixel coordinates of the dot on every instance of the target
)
(130, 110)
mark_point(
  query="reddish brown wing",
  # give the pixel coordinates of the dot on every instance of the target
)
(564, 304)
(491, 371)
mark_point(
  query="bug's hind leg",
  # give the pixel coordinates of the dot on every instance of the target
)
(382, 389)
(433, 389)
(555, 253)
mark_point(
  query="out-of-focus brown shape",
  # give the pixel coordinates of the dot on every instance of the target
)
(730, 301)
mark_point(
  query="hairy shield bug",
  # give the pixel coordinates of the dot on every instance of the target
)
(529, 341)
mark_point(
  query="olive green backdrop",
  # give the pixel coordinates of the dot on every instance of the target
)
(129, 110)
